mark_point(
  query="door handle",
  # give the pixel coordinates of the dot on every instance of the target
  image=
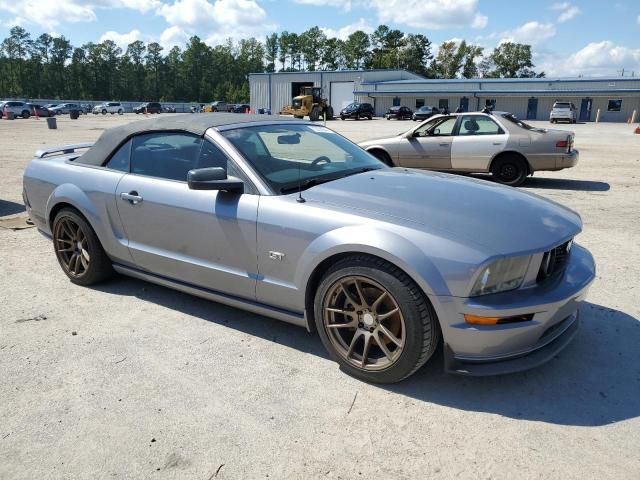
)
(132, 197)
(497, 143)
(445, 144)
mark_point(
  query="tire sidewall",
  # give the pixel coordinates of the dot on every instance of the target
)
(516, 161)
(412, 318)
(94, 272)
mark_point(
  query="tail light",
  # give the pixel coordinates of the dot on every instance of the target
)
(568, 143)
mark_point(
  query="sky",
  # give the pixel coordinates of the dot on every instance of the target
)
(569, 38)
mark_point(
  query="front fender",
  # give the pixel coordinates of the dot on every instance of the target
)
(379, 242)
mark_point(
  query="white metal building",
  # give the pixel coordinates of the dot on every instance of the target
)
(275, 90)
(527, 98)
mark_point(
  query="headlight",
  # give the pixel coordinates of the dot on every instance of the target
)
(502, 275)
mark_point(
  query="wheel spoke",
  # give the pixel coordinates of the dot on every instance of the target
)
(363, 300)
(67, 230)
(365, 351)
(348, 295)
(72, 262)
(354, 340)
(84, 261)
(384, 316)
(376, 304)
(70, 242)
(390, 335)
(351, 324)
(340, 310)
(383, 347)
(68, 249)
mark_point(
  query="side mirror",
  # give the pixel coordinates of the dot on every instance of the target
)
(213, 178)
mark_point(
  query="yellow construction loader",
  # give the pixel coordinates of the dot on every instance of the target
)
(311, 103)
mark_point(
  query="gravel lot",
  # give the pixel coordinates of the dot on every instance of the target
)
(131, 380)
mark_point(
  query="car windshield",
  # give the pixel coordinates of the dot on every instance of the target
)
(352, 106)
(292, 157)
(512, 118)
(561, 105)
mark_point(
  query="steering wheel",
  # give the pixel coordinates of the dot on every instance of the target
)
(320, 159)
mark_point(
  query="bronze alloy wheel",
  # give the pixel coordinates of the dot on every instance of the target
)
(71, 243)
(364, 323)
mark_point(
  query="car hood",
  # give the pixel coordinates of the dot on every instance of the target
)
(382, 141)
(502, 219)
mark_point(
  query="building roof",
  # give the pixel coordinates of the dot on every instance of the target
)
(506, 80)
(197, 124)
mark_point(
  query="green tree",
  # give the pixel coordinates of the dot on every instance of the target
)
(356, 48)
(510, 60)
(154, 64)
(271, 52)
(416, 54)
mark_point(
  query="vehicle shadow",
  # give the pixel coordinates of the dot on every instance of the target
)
(10, 208)
(558, 183)
(566, 184)
(594, 381)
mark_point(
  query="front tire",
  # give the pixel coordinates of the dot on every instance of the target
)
(78, 249)
(104, 111)
(374, 320)
(25, 114)
(510, 170)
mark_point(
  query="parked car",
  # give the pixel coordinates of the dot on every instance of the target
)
(381, 262)
(424, 112)
(399, 113)
(149, 107)
(496, 142)
(86, 108)
(49, 106)
(19, 109)
(357, 111)
(563, 111)
(39, 110)
(168, 109)
(218, 106)
(109, 107)
(241, 108)
(66, 108)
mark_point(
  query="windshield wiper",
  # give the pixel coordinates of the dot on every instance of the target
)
(311, 182)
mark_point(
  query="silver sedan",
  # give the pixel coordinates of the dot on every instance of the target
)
(494, 142)
(290, 220)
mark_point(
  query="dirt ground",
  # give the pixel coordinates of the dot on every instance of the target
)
(130, 380)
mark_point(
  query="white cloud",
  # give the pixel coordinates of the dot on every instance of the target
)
(596, 59)
(173, 36)
(344, 32)
(121, 39)
(50, 13)
(434, 14)
(216, 21)
(346, 5)
(531, 33)
(567, 11)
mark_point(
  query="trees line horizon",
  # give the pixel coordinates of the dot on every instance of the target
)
(50, 67)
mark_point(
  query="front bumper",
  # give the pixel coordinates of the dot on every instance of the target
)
(511, 347)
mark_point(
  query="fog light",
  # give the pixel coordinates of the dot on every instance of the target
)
(477, 320)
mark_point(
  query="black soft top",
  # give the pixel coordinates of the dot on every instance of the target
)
(197, 124)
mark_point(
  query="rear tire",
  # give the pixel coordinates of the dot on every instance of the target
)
(104, 111)
(25, 114)
(383, 157)
(393, 328)
(510, 170)
(78, 249)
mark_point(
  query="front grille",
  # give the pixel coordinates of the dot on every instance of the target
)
(554, 261)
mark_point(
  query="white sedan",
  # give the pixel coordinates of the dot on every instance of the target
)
(478, 142)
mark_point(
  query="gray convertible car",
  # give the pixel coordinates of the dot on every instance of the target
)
(290, 220)
(478, 142)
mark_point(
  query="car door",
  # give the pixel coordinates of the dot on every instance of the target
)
(200, 237)
(430, 145)
(478, 140)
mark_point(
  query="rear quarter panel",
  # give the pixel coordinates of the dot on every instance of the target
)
(50, 182)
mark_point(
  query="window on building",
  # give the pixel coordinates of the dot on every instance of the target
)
(491, 103)
(615, 105)
(443, 104)
(419, 103)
